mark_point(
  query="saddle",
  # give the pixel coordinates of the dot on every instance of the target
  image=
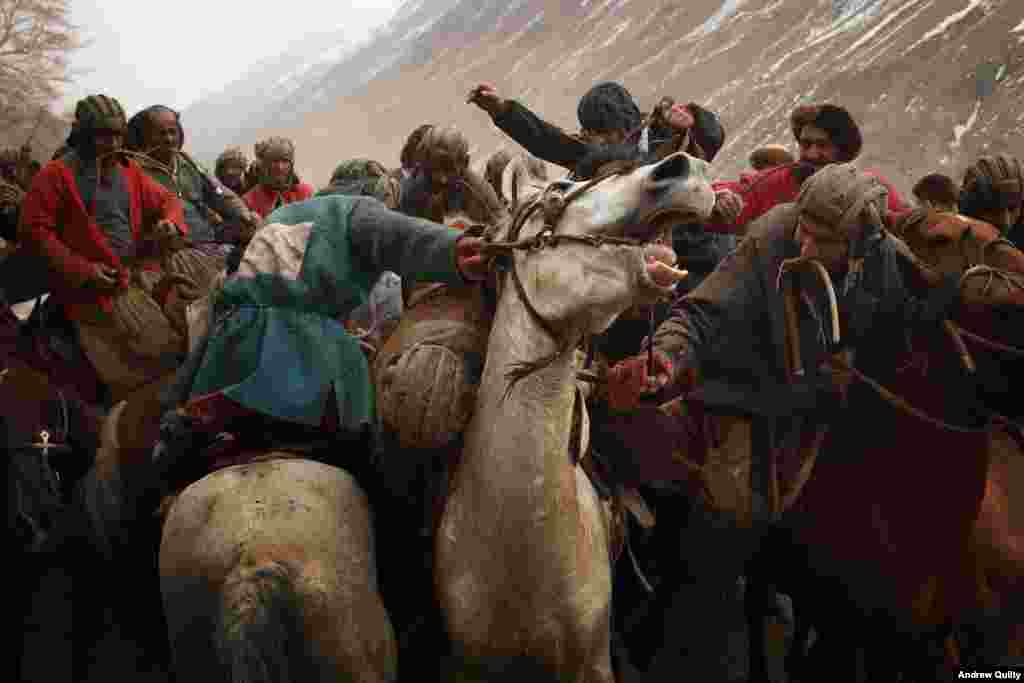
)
(47, 342)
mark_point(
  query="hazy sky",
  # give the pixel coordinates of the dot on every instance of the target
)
(175, 52)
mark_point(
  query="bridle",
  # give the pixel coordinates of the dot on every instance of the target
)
(994, 421)
(552, 204)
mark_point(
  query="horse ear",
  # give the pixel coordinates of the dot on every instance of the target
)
(518, 185)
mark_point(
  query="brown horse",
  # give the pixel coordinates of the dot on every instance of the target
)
(890, 519)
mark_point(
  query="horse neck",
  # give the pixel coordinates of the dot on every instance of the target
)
(519, 441)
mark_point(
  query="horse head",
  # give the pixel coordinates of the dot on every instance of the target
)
(578, 251)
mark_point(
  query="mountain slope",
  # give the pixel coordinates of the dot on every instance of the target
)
(905, 68)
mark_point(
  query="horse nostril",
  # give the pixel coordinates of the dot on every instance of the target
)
(674, 167)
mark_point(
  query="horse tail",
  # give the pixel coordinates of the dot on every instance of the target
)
(259, 635)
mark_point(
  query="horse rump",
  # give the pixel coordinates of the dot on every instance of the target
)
(258, 636)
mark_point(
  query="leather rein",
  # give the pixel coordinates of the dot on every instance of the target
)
(552, 203)
(994, 422)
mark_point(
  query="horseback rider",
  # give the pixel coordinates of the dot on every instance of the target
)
(278, 185)
(838, 218)
(278, 357)
(363, 177)
(826, 134)
(992, 191)
(86, 217)
(608, 115)
(230, 169)
(383, 308)
(216, 216)
(443, 184)
(732, 331)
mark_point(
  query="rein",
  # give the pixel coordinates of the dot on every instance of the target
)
(552, 204)
(994, 422)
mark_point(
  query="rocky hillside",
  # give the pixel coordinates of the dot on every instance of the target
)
(44, 132)
(907, 69)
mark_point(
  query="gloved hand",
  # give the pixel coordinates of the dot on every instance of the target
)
(487, 98)
(629, 379)
(728, 207)
(103, 277)
(470, 259)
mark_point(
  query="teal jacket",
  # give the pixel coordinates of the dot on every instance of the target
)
(278, 343)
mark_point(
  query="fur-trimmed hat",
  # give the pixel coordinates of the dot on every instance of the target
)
(275, 148)
(843, 199)
(937, 190)
(407, 157)
(232, 155)
(770, 156)
(443, 148)
(608, 106)
(834, 120)
(992, 182)
(707, 130)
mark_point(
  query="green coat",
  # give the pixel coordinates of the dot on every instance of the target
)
(278, 343)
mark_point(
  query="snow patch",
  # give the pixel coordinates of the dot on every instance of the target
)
(1018, 28)
(945, 23)
(616, 33)
(960, 130)
(872, 33)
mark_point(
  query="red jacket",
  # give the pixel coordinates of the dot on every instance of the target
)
(56, 223)
(261, 199)
(761, 191)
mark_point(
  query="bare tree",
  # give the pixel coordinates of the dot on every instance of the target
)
(36, 37)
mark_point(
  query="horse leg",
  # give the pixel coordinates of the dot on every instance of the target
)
(758, 596)
(795, 663)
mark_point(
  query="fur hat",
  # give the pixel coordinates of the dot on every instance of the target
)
(770, 156)
(444, 148)
(275, 148)
(937, 190)
(845, 200)
(708, 131)
(232, 155)
(834, 120)
(992, 182)
(608, 106)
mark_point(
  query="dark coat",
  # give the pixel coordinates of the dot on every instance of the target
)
(732, 328)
